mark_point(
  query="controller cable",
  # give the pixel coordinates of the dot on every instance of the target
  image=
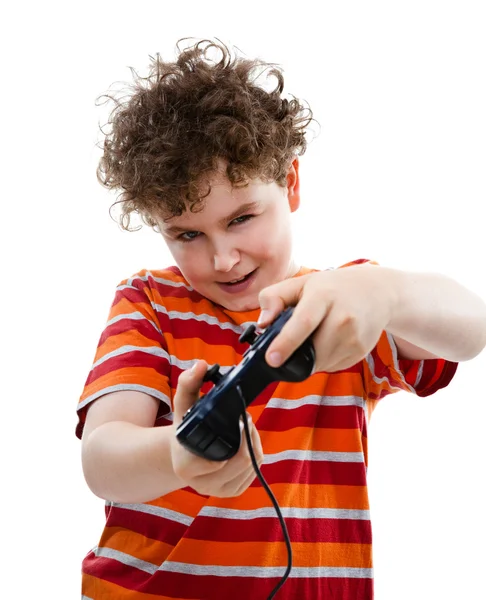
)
(270, 495)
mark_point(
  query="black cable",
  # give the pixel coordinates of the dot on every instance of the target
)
(270, 495)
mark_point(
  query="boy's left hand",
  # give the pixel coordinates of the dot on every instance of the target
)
(347, 309)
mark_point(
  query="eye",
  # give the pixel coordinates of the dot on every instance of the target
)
(245, 218)
(189, 236)
(192, 236)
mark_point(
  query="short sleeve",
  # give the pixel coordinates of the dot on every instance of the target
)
(384, 373)
(131, 354)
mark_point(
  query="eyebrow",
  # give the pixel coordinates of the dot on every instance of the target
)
(248, 206)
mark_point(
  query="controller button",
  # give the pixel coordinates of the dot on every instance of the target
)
(197, 434)
(206, 440)
(221, 449)
(213, 374)
(249, 335)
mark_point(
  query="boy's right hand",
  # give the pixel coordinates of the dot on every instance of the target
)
(212, 478)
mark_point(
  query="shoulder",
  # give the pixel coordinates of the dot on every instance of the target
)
(170, 276)
(155, 284)
(169, 293)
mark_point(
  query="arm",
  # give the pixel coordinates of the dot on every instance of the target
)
(434, 316)
(125, 458)
(346, 310)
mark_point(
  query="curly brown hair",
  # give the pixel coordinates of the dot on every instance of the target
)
(176, 124)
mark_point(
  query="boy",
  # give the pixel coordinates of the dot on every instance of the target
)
(209, 159)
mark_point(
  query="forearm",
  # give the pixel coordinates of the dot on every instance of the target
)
(437, 314)
(123, 462)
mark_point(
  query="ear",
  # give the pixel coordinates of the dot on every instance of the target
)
(293, 185)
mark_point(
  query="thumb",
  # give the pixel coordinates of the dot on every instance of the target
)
(188, 387)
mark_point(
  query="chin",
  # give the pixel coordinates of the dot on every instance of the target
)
(243, 304)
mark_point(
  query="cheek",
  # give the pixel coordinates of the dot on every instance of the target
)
(273, 240)
(266, 239)
(190, 262)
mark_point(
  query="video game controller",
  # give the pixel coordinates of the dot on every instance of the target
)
(210, 428)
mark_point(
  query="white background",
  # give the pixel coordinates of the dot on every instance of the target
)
(397, 174)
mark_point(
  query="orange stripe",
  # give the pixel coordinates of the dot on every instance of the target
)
(183, 305)
(258, 553)
(187, 502)
(126, 338)
(192, 348)
(299, 495)
(335, 384)
(135, 544)
(308, 438)
(126, 307)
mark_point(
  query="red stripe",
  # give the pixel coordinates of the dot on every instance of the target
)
(440, 374)
(144, 327)
(116, 572)
(151, 526)
(324, 472)
(137, 295)
(323, 416)
(268, 530)
(132, 359)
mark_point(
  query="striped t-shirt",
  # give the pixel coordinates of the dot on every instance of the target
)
(314, 434)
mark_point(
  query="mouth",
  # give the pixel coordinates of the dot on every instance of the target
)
(239, 284)
(240, 280)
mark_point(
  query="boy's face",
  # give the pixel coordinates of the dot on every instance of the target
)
(238, 231)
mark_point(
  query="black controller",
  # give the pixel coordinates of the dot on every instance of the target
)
(211, 428)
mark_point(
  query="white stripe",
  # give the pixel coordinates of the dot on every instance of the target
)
(157, 511)
(122, 387)
(160, 280)
(246, 571)
(287, 512)
(314, 399)
(154, 350)
(204, 318)
(419, 374)
(379, 380)
(134, 316)
(315, 455)
(127, 559)
(187, 364)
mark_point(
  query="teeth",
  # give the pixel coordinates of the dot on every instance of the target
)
(236, 280)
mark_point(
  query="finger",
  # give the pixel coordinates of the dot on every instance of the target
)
(330, 344)
(337, 343)
(197, 470)
(256, 444)
(274, 298)
(255, 440)
(188, 387)
(237, 485)
(306, 318)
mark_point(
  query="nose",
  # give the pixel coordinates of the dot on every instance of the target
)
(225, 257)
